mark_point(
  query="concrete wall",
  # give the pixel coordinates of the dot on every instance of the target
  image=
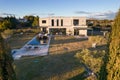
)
(44, 24)
(83, 32)
(67, 23)
(70, 31)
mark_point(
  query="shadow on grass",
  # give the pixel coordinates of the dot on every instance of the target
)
(55, 65)
(103, 70)
(71, 40)
(81, 76)
(44, 68)
(99, 48)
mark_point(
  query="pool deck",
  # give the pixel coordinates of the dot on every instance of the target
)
(32, 48)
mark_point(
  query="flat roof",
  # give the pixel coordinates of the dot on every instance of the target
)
(64, 17)
(82, 28)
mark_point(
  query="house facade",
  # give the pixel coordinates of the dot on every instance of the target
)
(64, 25)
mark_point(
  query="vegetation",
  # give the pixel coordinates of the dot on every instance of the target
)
(110, 70)
(32, 21)
(113, 65)
(98, 40)
(92, 59)
(7, 33)
(13, 23)
(60, 64)
(6, 69)
(8, 23)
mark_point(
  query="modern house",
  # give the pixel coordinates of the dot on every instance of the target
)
(64, 25)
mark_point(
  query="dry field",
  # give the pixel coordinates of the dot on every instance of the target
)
(18, 40)
(68, 44)
(60, 64)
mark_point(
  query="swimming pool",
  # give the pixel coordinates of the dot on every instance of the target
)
(34, 41)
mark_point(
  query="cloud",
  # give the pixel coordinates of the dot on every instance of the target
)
(8, 14)
(51, 14)
(82, 12)
(46, 14)
(98, 15)
(104, 15)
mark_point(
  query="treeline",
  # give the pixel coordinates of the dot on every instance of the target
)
(32, 21)
(14, 23)
(8, 23)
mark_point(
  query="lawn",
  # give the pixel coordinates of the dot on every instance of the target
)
(60, 64)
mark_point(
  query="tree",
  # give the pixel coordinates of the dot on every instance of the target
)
(8, 23)
(113, 65)
(1, 26)
(6, 69)
(32, 20)
(35, 22)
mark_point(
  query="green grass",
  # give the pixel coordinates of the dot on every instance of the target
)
(60, 64)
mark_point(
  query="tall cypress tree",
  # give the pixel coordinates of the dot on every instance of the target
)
(113, 65)
(6, 69)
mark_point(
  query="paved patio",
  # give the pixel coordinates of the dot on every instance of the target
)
(32, 48)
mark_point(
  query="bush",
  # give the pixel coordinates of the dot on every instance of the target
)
(92, 59)
(18, 31)
(97, 39)
(36, 30)
(7, 33)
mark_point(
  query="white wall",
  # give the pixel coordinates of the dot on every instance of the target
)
(83, 32)
(45, 24)
(67, 23)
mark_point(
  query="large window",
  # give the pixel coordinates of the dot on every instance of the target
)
(61, 22)
(76, 22)
(59, 31)
(52, 22)
(76, 31)
(44, 30)
(43, 21)
(57, 22)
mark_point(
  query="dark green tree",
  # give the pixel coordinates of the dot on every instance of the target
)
(8, 23)
(33, 21)
(113, 65)
(30, 20)
(6, 68)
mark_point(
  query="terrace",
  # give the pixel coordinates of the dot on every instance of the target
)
(34, 47)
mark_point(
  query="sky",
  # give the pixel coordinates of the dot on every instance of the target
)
(44, 8)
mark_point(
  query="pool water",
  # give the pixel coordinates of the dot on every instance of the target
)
(34, 41)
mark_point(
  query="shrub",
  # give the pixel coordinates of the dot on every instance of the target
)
(36, 30)
(7, 33)
(92, 59)
(97, 39)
